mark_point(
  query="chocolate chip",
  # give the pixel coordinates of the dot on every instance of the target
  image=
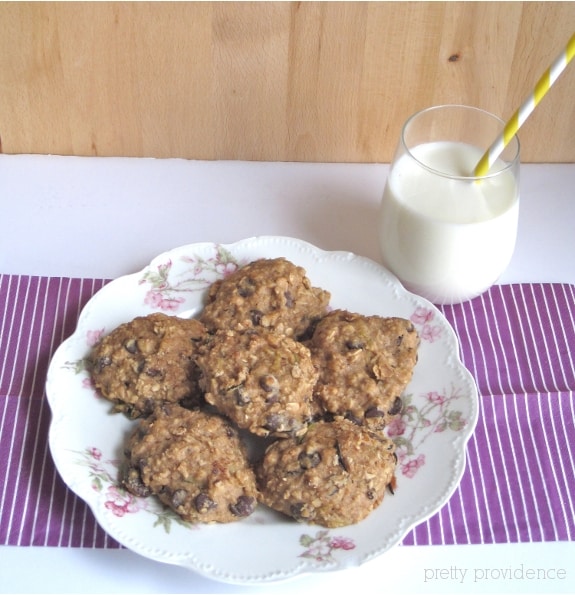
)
(273, 422)
(269, 383)
(309, 460)
(256, 316)
(340, 459)
(243, 507)
(178, 498)
(131, 346)
(103, 362)
(241, 396)
(153, 372)
(353, 418)
(396, 407)
(374, 412)
(203, 502)
(147, 406)
(276, 422)
(354, 344)
(296, 510)
(246, 287)
(132, 481)
(289, 299)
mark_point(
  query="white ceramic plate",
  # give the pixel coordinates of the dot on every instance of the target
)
(86, 440)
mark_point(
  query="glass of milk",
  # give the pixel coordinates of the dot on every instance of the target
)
(446, 234)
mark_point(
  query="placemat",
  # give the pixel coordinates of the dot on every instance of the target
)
(519, 482)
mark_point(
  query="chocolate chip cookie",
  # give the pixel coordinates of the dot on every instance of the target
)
(336, 474)
(262, 381)
(274, 294)
(147, 361)
(194, 462)
(364, 363)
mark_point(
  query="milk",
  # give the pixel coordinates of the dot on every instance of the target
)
(447, 239)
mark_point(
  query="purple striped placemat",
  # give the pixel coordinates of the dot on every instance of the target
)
(519, 483)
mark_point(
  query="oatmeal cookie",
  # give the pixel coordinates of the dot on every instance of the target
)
(336, 474)
(274, 294)
(146, 361)
(364, 363)
(194, 462)
(261, 380)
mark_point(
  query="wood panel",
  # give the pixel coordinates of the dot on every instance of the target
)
(285, 81)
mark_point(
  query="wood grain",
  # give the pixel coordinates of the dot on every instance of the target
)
(272, 81)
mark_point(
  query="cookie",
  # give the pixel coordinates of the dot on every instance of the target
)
(147, 361)
(261, 380)
(194, 462)
(336, 474)
(364, 363)
(274, 294)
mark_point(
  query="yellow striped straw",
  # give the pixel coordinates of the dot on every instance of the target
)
(524, 111)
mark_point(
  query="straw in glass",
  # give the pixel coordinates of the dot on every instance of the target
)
(524, 111)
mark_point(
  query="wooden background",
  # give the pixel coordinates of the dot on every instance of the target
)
(285, 81)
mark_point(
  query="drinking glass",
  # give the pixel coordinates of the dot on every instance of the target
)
(446, 234)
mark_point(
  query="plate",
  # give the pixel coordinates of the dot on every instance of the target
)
(86, 440)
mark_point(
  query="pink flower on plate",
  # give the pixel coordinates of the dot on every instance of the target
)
(121, 502)
(422, 315)
(435, 397)
(95, 453)
(226, 268)
(155, 299)
(396, 427)
(430, 333)
(87, 383)
(410, 468)
(342, 543)
(92, 337)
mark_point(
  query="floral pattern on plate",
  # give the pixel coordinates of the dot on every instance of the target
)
(165, 287)
(322, 547)
(104, 475)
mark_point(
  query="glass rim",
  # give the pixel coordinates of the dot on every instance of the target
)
(491, 173)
